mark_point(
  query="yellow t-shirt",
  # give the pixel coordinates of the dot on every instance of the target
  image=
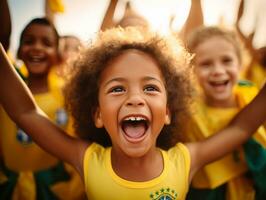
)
(256, 74)
(101, 182)
(20, 153)
(208, 120)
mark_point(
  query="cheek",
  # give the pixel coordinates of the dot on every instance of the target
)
(202, 76)
(21, 52)
(160, 109)
(54, 57)
(109, 118)
(235, 73)
(108, 109)
(200, 71)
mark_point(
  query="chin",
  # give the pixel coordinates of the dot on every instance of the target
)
(136, 151)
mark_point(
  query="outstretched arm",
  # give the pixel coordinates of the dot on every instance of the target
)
(109, 15)
(194, 20)
(48, 12)
(248, 40)
(5, 30)
(238, 131)
(18, 102)
(52, 7)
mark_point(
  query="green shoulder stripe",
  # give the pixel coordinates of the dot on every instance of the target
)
(245, 83)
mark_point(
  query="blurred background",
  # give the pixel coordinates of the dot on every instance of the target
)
(83, 18)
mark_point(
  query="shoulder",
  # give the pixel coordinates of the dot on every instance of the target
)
(180, 153)
(94, 153)
(94, 157)
(246, 90)
(94, 148)
(245, 83)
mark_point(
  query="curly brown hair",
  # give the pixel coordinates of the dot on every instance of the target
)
(82, 88)
(203, 33)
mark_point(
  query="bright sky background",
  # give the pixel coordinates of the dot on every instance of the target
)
(83, 17)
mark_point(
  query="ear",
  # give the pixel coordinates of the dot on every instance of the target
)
(98, 119)
(167, 120)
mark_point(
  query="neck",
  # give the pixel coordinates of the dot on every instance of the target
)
(38, 84)
(229, 103)
(137, 168)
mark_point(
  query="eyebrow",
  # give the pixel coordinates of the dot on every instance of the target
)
(120, 79)
(148, 78)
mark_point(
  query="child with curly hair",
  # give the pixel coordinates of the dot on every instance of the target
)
(127, 94)
(217, 66)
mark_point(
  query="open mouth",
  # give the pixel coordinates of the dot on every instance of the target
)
(134, 128)
(219, 86)
(36, 59)
(219, 83)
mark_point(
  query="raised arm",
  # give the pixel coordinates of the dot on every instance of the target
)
(248, 40)
(238, 131)
(109, 15)
(194, 19)
(52, 7)
(48, 12)
(5, 30)
(18, 102)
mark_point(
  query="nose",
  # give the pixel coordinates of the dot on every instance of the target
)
(218, 69)
(135, 99)
(38, 45)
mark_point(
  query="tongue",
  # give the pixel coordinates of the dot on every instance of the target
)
(134, 130)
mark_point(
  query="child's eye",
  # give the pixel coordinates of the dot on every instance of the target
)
(48, 43)
(227, 60)
(205, 64)
(117, 89)
(27, 41)
(151, 88)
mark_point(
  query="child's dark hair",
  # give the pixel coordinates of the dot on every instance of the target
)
(82, 88)
(41, 21)
(203, 33)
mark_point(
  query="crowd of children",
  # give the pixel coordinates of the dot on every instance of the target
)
(138, 115)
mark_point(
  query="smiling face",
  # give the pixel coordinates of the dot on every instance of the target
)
(38, 49)
(132, 103)
(217, 68)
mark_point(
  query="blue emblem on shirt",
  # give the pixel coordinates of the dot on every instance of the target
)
(61, 117)
(22, 137)
(164, 194)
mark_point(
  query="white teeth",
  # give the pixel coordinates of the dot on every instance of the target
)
(139, 118)
(36, 58)
(219, 82)
(134, 118)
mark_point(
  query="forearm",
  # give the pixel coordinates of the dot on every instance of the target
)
(247, 39)
(194, 20)
(5, 30)
(15, 97)
(236, 133)
(244, 124)
(253, 115)
(108, 17)
(48, 13)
